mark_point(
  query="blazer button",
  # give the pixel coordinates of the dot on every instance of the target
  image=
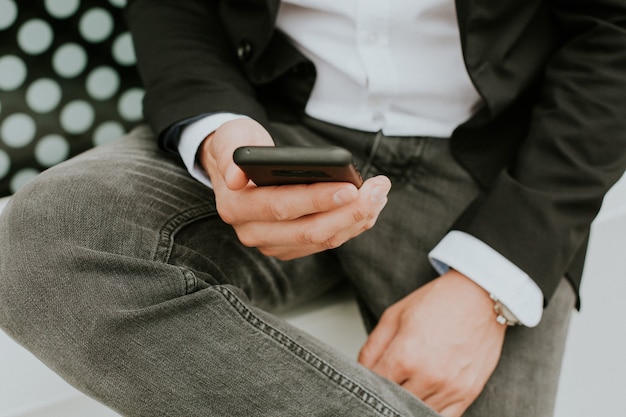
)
(244, 51)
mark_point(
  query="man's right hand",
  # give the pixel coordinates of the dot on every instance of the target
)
(288, 221)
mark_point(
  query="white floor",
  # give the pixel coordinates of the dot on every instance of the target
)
(594, 370)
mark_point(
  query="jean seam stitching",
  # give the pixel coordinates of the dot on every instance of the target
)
(165, 241)
(309, 357)
(191, 281)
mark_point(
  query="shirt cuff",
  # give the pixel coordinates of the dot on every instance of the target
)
(491, 271)
(192, 137)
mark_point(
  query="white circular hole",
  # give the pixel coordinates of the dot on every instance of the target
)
(123, 50)
(8, 13)
(51, 150)
(12, 72)
(43, 95)
(21, 178)
(96, 25)
(102, 83)
(5, 164)
(62, 9)
(18, 130)
(69, 60)
(130, 106)
(35, 36)
(106, 132)
(77, 116)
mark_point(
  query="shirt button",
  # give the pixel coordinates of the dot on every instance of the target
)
(244, 51)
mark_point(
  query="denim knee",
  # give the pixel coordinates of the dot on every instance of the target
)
(38, 228)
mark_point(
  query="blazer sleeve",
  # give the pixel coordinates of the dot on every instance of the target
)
(187, 63)
(538, 212)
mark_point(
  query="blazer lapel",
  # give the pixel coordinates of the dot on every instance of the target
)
(505, 44)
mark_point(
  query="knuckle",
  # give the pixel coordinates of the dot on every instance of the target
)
(281, 254)
(319, 239)
(309, 236)
(368, 225)
(228, 217)
(331, 243)
(246, 239)
(436, 381)
(317, 204)
(365, 215)
(277, 211)
(285, 256)
(226, 213)
(405, 366)
(246, 242)
(269, 251)
(359, 215)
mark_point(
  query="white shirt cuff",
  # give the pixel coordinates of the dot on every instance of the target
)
(491, 271)
(192, 137)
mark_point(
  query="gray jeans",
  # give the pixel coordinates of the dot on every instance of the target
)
(116, 272)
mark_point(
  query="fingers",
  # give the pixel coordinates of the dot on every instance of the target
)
(290, 202)
(308, 222)
(446, 406)
(442, 356)
(434, 388)
(454, 410)
(283, 203)
(398, 361)
(379, 340)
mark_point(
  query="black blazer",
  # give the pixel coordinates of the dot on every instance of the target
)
(547, 145)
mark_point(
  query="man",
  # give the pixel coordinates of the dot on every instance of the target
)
(155, 301)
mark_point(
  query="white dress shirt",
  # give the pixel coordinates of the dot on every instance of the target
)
(400, 70)
(398, 64)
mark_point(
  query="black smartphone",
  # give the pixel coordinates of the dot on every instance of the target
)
(281, 165)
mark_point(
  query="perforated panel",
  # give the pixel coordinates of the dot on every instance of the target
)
(67, 83)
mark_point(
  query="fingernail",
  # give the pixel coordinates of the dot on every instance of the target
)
(344, 195)
(379, 193)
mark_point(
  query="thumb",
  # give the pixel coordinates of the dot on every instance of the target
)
(234, 177)
(217, 150)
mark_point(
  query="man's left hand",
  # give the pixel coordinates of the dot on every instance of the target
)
(441, 343)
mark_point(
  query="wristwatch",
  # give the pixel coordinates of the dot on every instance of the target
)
(504, 315)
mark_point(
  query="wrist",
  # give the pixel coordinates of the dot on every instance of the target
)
(493, 307)
(493, 272)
